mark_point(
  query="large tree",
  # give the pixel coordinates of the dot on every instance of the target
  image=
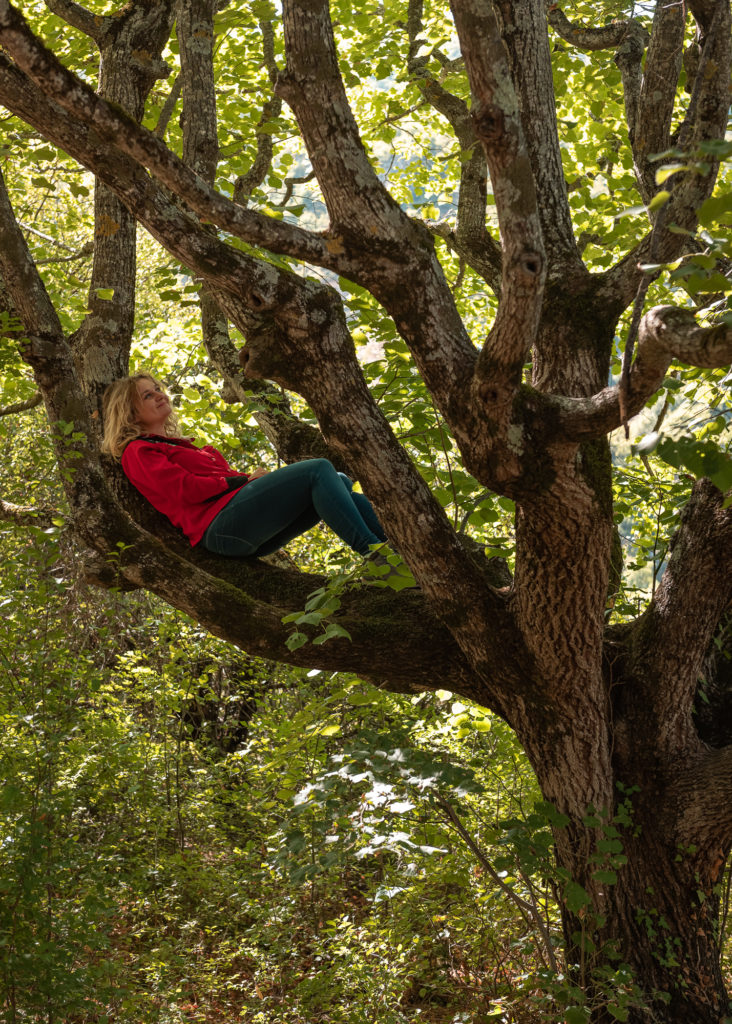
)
(605, 711)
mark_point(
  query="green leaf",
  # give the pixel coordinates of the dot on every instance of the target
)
(576, 1015)
(618, 1012)
(660, 199)
(333, 630)
(606, 877)
(667, 170)
(717, 209)
(575, 897)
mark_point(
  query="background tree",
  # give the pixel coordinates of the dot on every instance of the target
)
(604, 709)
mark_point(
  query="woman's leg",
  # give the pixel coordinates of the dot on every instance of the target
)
(269, 512)
(366, 509)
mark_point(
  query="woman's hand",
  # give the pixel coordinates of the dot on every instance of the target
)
(256, 473)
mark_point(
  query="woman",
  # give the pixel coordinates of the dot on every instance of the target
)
(238, 514)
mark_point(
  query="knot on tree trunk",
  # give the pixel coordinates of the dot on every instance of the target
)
(490, 124)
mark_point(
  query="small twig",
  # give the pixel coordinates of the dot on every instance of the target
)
(29, 403)
(289, 182)
(86, 250)
(45, 237)
(168, 107)
(525, 906)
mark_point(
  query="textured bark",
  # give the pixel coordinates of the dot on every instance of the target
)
(130, 44)
(471, 240)
(667, 333)
(498, 122)
(291, 439)
(595, 708)
(525, 37)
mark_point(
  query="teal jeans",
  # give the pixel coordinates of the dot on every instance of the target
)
(269, 512)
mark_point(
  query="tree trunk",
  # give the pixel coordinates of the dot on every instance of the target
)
(660, 917)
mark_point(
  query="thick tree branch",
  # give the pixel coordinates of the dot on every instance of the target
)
(704, 792)
(313, 87)
(587, 37)
(118, 130)
(243, 601)
(658, 92)
(79, 17)
(670, 644)
(628, 38)
(524, 34)
(666, 333)
(470, 239)
(20, 276)
(498, 126)
(195, 29)
(46, 351)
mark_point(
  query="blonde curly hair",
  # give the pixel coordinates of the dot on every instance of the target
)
(120, 410)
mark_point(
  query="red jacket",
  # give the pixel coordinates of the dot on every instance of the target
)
(185, 483)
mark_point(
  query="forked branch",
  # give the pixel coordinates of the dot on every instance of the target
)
(121, 132)
(667, 333)
(313, 87)
(498, 126)
(470, 240)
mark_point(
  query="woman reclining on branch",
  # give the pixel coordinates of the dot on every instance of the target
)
(242, 515)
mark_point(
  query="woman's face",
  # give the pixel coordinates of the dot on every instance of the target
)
(152, 405)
